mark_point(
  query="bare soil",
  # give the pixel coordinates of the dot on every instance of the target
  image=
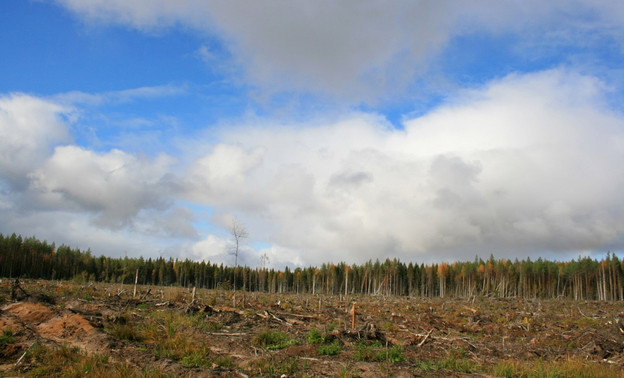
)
(435, 337)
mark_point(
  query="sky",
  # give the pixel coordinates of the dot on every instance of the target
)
(333, 131)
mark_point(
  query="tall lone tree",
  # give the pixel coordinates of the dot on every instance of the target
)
(238, 232)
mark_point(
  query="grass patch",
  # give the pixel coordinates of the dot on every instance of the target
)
(7, 337)
(393, 354)
(196, 360)
(200, 322)
(272, 340)
(125, 332)
(376, 352)
(364, 352)
(554, 369)
(70, 362)
(225, 362)
(315, 336)
(271, 367)
(332, 349)
(172, 335)
(328, 345)
(460, 365)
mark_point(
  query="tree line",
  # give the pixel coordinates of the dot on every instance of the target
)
(583, 278)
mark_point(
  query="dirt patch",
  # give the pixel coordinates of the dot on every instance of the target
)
(31, 313)
(66, 327)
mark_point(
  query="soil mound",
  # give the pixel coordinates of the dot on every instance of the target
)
(73, 327)
(30, 313)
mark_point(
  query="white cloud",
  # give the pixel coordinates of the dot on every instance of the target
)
(211, 248)
(526, 164)
(354, 50)
(29, 129)
(221, 173)
(115, 185)
(219, 250)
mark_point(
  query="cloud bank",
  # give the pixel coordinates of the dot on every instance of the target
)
(528, 163)
(355, 51)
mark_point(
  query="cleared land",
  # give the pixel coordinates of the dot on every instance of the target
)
(69, 329)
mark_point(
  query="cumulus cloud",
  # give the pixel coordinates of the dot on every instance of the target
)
(115, 201)
(354, 50)
(528, 163)
(221, 173)
(30, 127)
(219, 250)
(115, 185)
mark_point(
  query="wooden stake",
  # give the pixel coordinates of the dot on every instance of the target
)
(353, 316)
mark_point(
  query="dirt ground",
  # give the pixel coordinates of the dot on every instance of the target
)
(431, 337)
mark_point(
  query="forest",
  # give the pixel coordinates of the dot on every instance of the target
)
(581, 279)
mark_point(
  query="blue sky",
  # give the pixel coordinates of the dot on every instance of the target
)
(348, 131)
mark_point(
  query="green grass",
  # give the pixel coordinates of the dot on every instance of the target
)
(315, 336)
(460, 365)
(393, 354)
(196, 360)
(272, 340)
(272, 367)
(376, 352)
(329, 349)
(364, 352)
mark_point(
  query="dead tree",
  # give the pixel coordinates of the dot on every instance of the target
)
(238, 232)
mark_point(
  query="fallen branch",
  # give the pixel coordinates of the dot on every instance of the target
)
(23, 355)
(456, 339)
(149, 290)
(227, 333)
(299, 315)
(229, 309)
(425, 339)
(268, 315)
